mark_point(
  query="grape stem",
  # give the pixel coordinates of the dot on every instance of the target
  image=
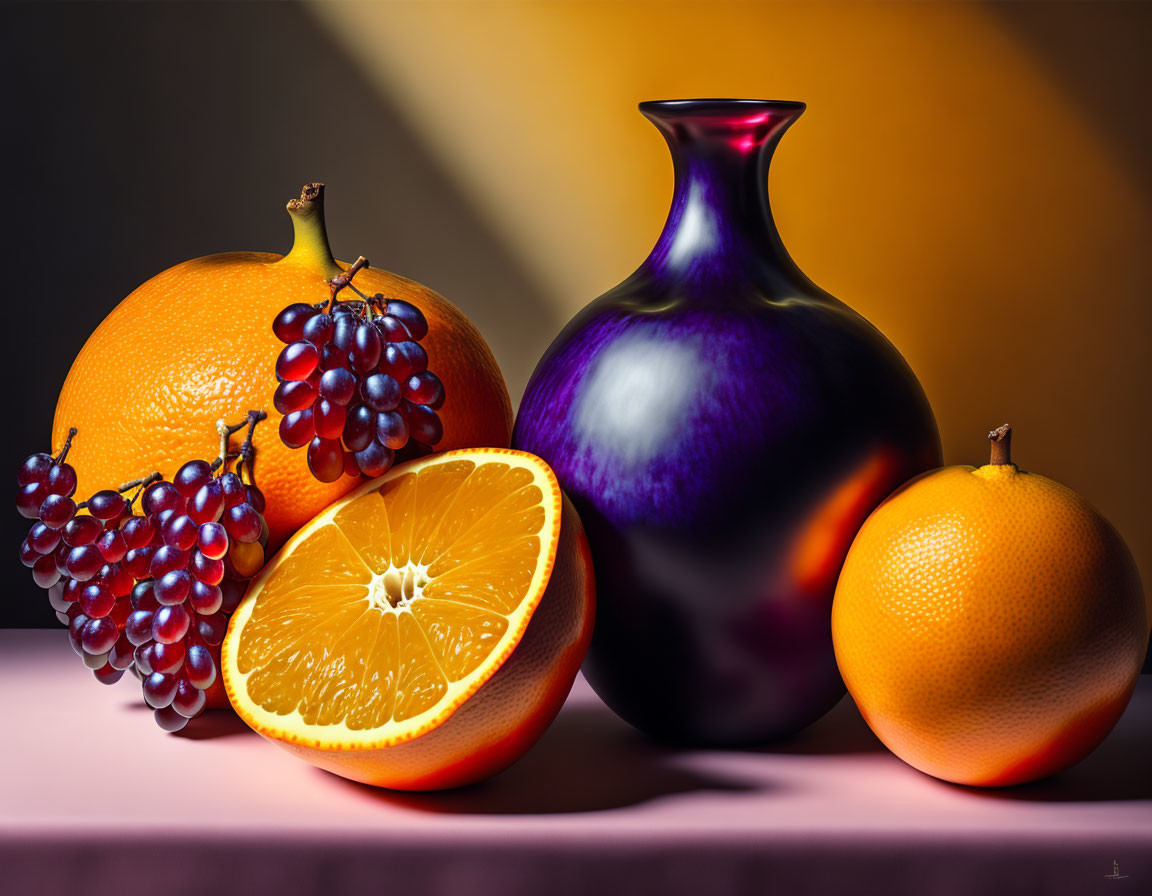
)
(343, 279)
(247, 451)
(67, 444)
(141, 484)
(1001, 439)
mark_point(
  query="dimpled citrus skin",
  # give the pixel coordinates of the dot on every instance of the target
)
(194, 344)
(990, 625)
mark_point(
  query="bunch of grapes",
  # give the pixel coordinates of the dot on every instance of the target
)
(354, 382)
(148, 591)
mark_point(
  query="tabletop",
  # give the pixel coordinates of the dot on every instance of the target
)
(94, 798)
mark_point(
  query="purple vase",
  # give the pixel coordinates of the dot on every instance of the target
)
(724, 426)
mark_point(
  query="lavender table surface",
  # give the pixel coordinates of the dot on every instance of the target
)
(95, 799)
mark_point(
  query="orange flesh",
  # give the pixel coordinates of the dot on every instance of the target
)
(378, 633)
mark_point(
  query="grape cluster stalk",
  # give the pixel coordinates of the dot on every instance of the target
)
(354, 384)
(148, 588)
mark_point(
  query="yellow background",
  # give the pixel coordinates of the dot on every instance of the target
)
(954, 179)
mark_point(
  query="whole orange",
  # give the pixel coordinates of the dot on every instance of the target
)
(194, 344)
(989, 623)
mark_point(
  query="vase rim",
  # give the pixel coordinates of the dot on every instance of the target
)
(718, 106)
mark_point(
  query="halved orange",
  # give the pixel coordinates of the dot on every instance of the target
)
(423, 631)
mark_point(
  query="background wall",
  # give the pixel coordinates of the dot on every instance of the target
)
(972, 177)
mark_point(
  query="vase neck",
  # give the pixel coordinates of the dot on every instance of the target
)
(720, 231)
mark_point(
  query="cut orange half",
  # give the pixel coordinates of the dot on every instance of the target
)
(423, 631)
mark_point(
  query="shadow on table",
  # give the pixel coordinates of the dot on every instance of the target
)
(587, 761)
(840, 731)
(1118, 770)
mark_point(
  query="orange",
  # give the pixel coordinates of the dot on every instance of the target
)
(194, 344)
(989, 623)
(422, 632)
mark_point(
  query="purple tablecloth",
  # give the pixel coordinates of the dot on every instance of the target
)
(95, 799)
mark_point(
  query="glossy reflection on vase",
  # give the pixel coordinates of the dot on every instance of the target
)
(724, 426)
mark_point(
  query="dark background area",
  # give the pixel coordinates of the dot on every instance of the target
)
(140, 135)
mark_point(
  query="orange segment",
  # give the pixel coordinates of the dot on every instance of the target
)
(385, 613)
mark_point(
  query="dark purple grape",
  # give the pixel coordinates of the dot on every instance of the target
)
(297, 361)
(341, 309)
(359, 428)
(97, 602)
(122, 654)
(93, 660)
(318, 330)
(366, 347)
(380, 392)
(112, 546)
(243, 522)
(337, 385)
(169, 719)
(204, 598)
(331, 358)
(106, 504)
(75, 627)
(351, 468)
(414, 352)
(172, 587)
(166, 559)
(207, 570)
(138, 628)
(409, 315)
(207, 504)
(255, 497)
(424, 388)
(325, 459)
(82, 530)
(234, 490)
(29, 499)
(212, 628)
(138, 562)
(116, 579)
(108, 674)
(98, 636)
(58, 597)
(294, 396)
(392, 430)
(375, 460)
(233, 592)
(61, 480)
(143, 657)
(180, 531)
(189, 700)
(192, 477)
(159, 689)
(84, 562)
(168, 658)
(137, 532)
(56, 510)
(290, 324)
(45, 572)
(212, 540)
(199, 667)
(391, 329)
(29, 556)
(161, 496)
(296, 429)
(43, 538)
(144, 597)
(344, 335)
(34, 468)
(424, 424)
(328, 419)
(170, 624)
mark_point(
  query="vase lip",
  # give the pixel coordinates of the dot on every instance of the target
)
(708, 107)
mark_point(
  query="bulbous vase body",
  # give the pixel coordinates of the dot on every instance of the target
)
(723, 427)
